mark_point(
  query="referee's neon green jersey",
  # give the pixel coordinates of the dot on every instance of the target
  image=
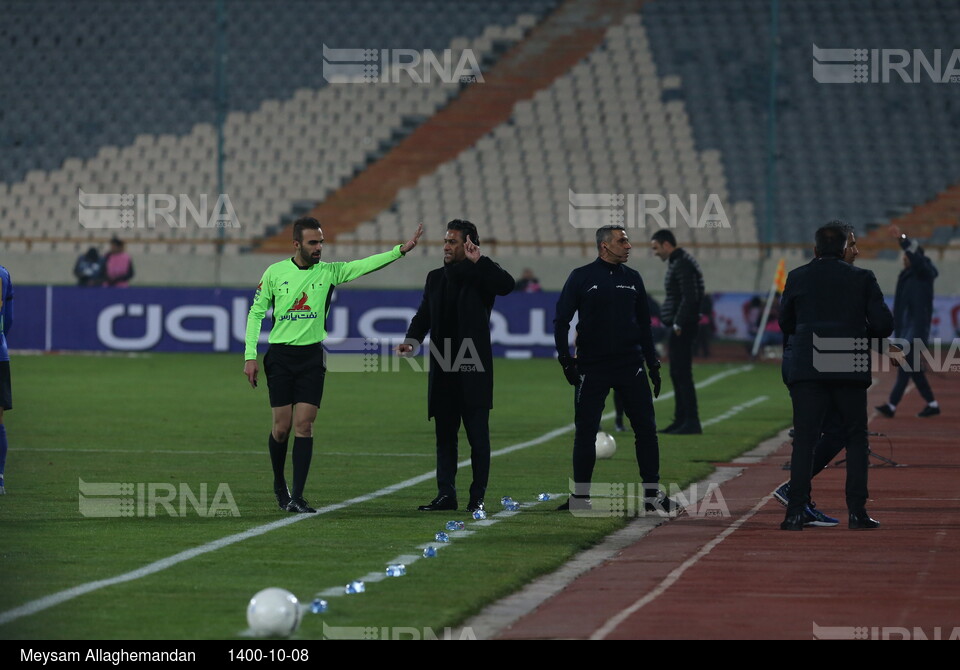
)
(300, 298)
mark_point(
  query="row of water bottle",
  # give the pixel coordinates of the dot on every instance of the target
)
(319, 605)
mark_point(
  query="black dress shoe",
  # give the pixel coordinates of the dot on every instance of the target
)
(577, 504)
(669, 429)
(688, 429)
(862, 521)
(475, 505)
(885, 410)
(439, 504)
(283, 496)
(300, 506)
(792, 522)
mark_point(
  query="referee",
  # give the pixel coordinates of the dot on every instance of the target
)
(299, 291)
(614, 342)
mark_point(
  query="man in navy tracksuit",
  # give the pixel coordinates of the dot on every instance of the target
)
(613, 343)
(912, 315)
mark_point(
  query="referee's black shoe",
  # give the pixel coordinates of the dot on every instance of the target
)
(440, 504)
(283, 496)
(300, 506)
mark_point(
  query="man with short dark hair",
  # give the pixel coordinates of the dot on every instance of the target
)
(831, 440)
(613, 344)
(299, 291)
(829, 304)
(680, 312)
(455, 310)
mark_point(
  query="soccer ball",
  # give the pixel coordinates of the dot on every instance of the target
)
(606, 446)
(273, 612)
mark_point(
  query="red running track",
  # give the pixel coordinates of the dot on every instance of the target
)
(741, 577)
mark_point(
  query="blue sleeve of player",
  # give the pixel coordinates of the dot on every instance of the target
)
(6, 313)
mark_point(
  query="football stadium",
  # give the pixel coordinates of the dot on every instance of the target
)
(494, 213)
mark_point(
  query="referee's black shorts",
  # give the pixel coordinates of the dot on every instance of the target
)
(294, 374)
(6, 391)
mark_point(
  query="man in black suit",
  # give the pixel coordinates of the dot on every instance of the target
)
(455, 310)
(829, 309)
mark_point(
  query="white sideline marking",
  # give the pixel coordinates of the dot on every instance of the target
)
(736, 409)
(251, 452)
(675, 575)
(46, 602)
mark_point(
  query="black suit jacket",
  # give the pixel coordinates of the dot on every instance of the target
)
(829, 310)
(479, 283)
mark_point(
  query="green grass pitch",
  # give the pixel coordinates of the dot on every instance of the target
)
(175, 420)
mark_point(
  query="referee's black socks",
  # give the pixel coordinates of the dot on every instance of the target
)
(278, 457)
(302, 453)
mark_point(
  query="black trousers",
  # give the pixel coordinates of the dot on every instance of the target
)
(681, 374)
(919, 380)
(811, 402)
(449, 413)
(630, 383)
(830, 443)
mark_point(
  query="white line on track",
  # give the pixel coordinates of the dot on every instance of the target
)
(668, 581)
(54, 599)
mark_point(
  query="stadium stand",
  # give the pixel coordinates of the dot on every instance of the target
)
(518, 176)
(854, 152)
(290, 137)
(583, 97)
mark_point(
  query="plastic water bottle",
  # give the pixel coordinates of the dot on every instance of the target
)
(355, 587)
(512, 506)
(479, 515)
(442, 537)
(430, 552)
(318, 606)
(456, 525)
(543, 497)
(506, 500)
(396, 570)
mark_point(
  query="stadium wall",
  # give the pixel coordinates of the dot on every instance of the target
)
(368, 322)
(240, 271)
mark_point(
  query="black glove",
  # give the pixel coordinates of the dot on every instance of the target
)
(654, 373)
(569, 365)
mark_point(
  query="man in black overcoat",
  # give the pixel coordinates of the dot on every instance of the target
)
(829, 310)
(455, 310)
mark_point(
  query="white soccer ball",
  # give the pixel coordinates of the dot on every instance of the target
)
(606, 446)
(273, 612)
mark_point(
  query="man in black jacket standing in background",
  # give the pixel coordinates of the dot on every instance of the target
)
(613, 343)
(680, 313)
(455, 310)
(829, 310)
